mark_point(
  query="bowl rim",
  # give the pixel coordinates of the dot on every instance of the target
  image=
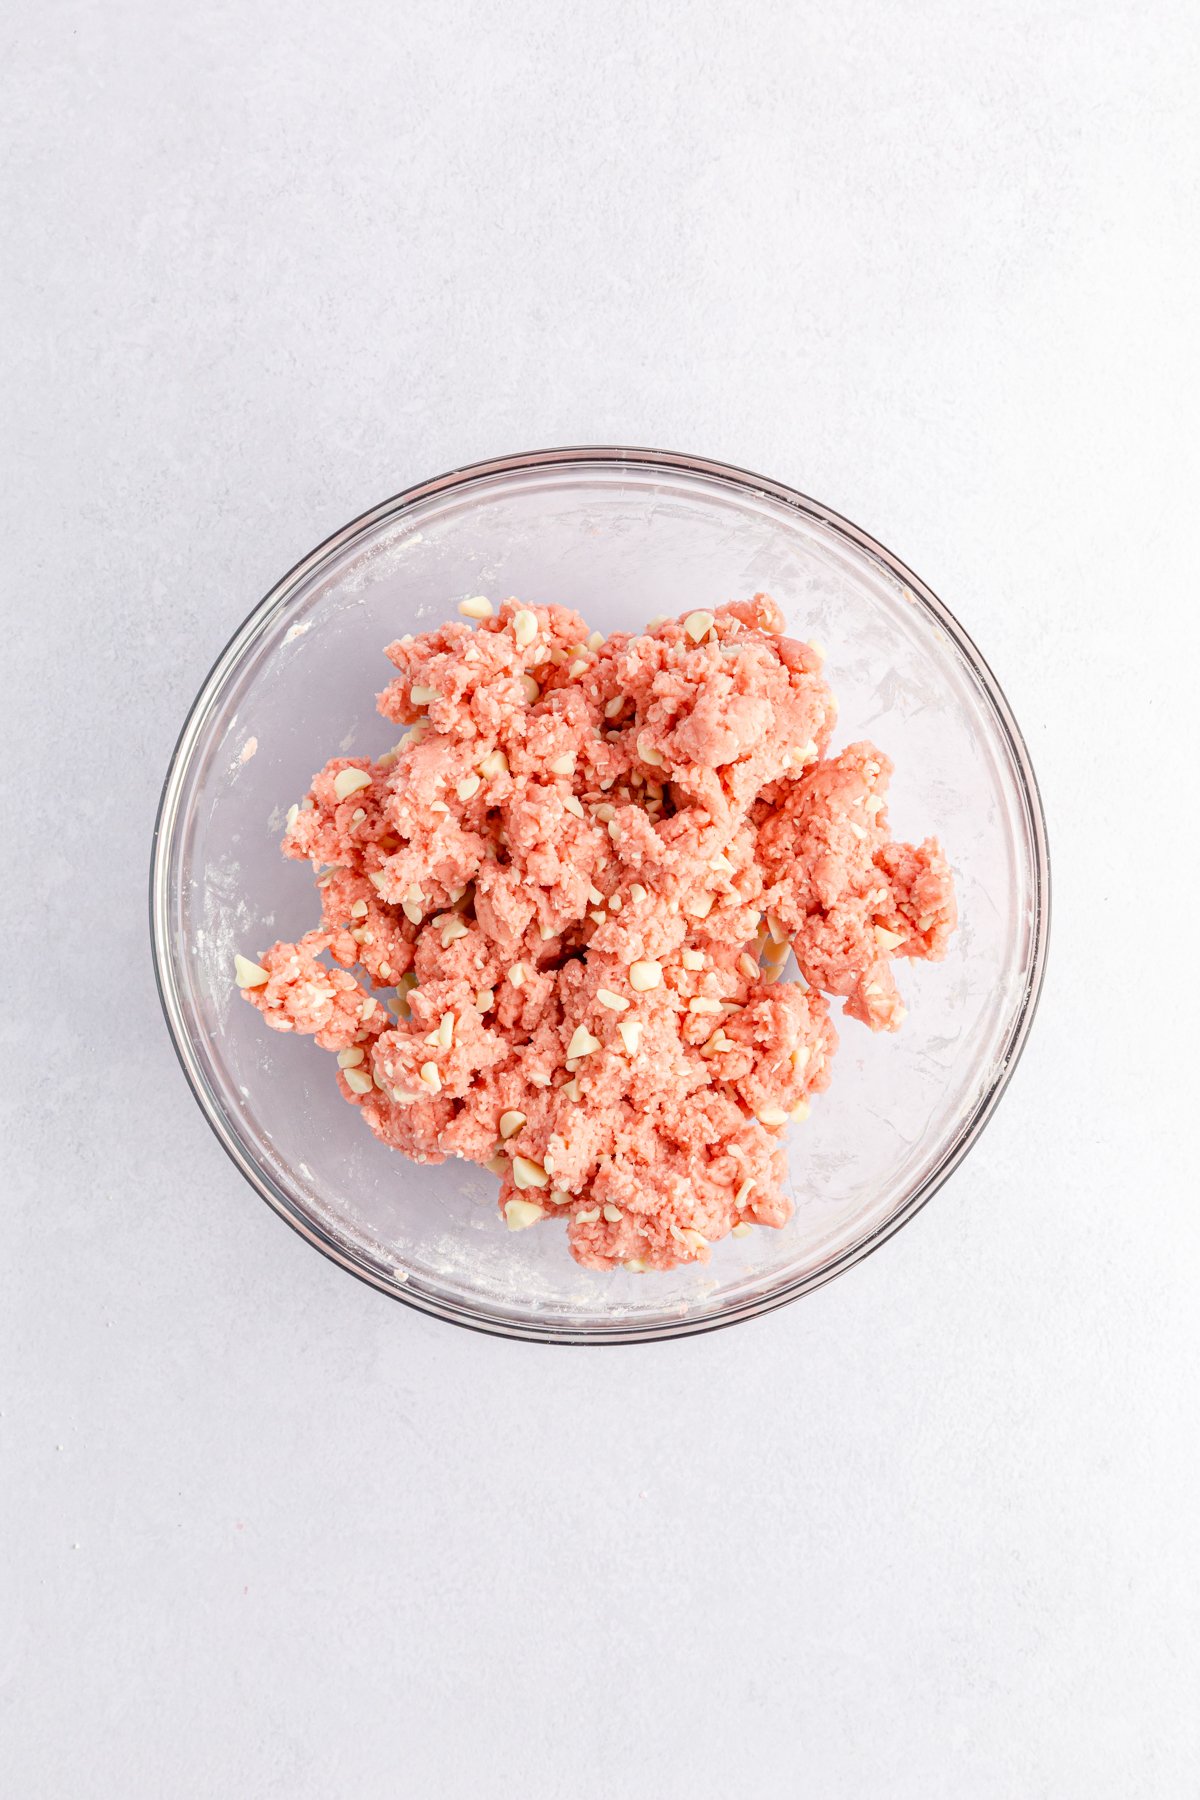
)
(621, 1331)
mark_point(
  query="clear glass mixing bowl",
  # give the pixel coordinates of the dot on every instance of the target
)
(620, 535)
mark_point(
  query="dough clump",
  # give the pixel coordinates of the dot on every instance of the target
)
(578, 877)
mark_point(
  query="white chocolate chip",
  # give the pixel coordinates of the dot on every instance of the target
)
(421, 695)
(445, 1031)
(438, 806)
(598, 918)
(528, 1174)
(530, 689)
(516, 975)
(582, 1042)
(497, 1165)
(358, 1081)
(700, 907)
(637, 893)
(631, 1034)
(494, 763)
(520, 1214)
(510, 1123)
(359, 910)
(693, 959)
(454, 928)
(887, 940)
(477, 607)
(577, 668)
(348, 781)
(588, 1216)
(412, 912)
(429, 1077)
(596, 642)
(644, 975)
(703, 1004)
(468, 787)
(525, 628)
(350, 1059)
(614, 1002)
(485, 999)
(859, 831)
(698, 625)
(571, 1089)
(595, 896)
(249, 974)
(564, 764)
(613, 1214)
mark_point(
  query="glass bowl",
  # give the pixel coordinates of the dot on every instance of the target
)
(620, 535)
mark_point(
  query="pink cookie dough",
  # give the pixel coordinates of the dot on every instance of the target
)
(578, 876)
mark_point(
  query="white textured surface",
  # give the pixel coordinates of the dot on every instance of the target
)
(929, 1533)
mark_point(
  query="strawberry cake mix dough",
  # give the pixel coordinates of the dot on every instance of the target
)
(578, 877)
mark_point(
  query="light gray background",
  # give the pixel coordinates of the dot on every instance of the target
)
(928, 1533)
